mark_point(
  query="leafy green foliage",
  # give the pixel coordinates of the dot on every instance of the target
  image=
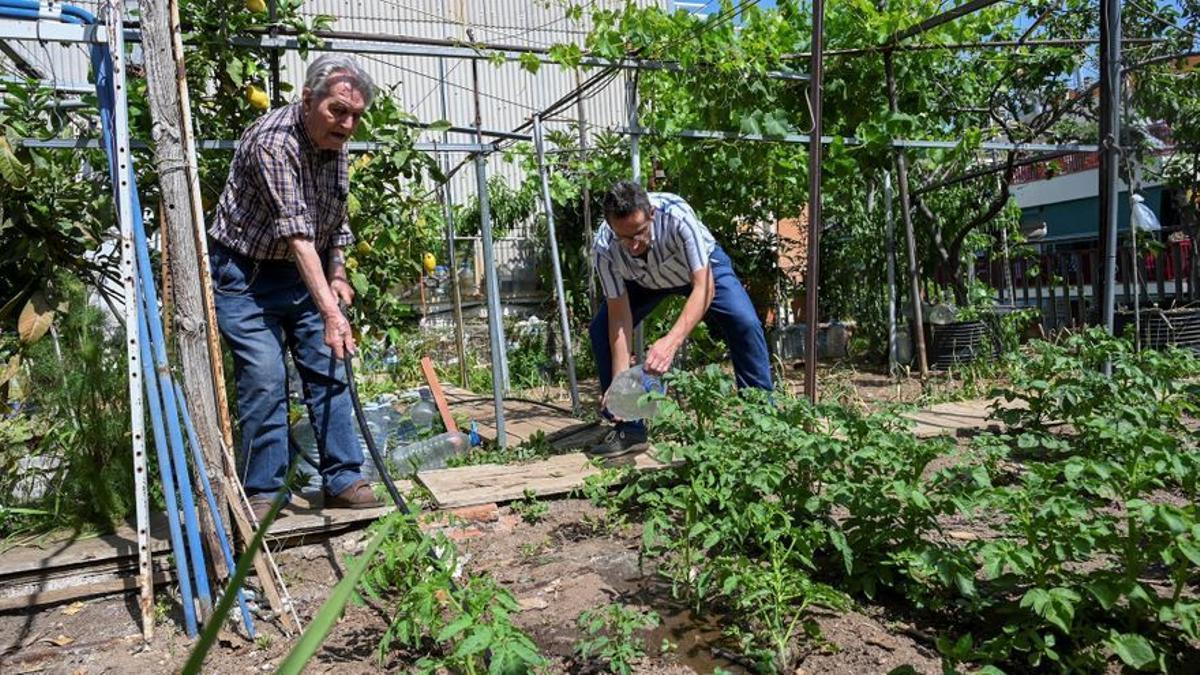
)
(536, 447)
(610, 636)
(71, 436)
(773, 506)
(443, 626)
(55, 209)
(393, 219)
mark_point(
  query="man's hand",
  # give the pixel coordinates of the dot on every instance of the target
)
(660, 355)
(338, 335)
(343, 290)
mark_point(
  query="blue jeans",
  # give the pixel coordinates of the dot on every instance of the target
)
(264, 309)
(731, 317)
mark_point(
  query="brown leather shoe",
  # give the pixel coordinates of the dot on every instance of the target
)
(260, 505)
(358, 496)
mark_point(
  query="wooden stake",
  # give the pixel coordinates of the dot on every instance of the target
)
(439, 396)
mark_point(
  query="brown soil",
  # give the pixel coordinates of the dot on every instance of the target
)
(557, 568)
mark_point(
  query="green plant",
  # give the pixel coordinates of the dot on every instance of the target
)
(610, 636)
(66, 445)
(534, 448)
(1084, 524)
(459, 626)
(530, 509)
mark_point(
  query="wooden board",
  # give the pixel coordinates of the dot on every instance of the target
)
(522, 419)
(957, 418)
(70, 566)
(487, 483)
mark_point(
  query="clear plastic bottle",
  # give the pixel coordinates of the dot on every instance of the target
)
(423, 413)
(433, 452)
(624, 396)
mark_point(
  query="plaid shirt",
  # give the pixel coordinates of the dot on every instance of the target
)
(282, 186)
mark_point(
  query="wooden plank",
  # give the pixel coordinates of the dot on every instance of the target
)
(439, 397)
(83, 586)
(487, 483)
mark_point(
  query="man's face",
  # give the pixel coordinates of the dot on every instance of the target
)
(331, 120)
(633, 231)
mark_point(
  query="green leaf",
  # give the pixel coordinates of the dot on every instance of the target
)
(1134, 650)
(440, 126)
(11, 168)
(451, 631)
(477, 642)
(838, 539)
(530, 62)
(750, 126)
(233, 68)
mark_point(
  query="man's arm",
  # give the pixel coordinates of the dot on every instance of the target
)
(620, 332)
(335, 273)
(337, 328)
(662, 353)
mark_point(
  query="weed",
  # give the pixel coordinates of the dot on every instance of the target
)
(530, 509)
(262, 641)
(535, 448)
(610, 636)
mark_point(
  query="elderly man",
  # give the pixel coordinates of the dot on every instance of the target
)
(653, 246)
(278, 275)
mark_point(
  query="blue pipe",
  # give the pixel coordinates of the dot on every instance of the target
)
(164, 470)
(226, 550)
(106, 99)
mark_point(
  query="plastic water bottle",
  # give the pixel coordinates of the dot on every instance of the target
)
(423, 413)
(626, 391)
(433, 452)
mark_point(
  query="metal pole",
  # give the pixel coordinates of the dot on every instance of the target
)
(889, 220)
(272, 15)
(587, 197)
(635, 161)
(812, 276)
(133, 346)
(1110, 128)
(451, 255)
(539, 142)
(495, 322)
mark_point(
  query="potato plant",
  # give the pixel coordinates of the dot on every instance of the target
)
(1091, 539)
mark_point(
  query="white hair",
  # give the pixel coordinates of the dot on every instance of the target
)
(326, 66)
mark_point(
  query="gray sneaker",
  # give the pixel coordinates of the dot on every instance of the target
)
(619, 442)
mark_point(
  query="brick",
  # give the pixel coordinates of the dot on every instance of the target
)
(482, 513)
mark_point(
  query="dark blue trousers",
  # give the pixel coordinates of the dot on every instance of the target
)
(264, 310)
(731, 317)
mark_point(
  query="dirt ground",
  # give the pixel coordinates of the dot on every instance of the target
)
(556, 568)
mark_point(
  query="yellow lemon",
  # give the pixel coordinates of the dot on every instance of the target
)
(429, 263)
(256, 6)
(363, 248)
(257, 97)
(351, 264)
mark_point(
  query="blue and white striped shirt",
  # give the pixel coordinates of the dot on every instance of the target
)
(679, 245)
